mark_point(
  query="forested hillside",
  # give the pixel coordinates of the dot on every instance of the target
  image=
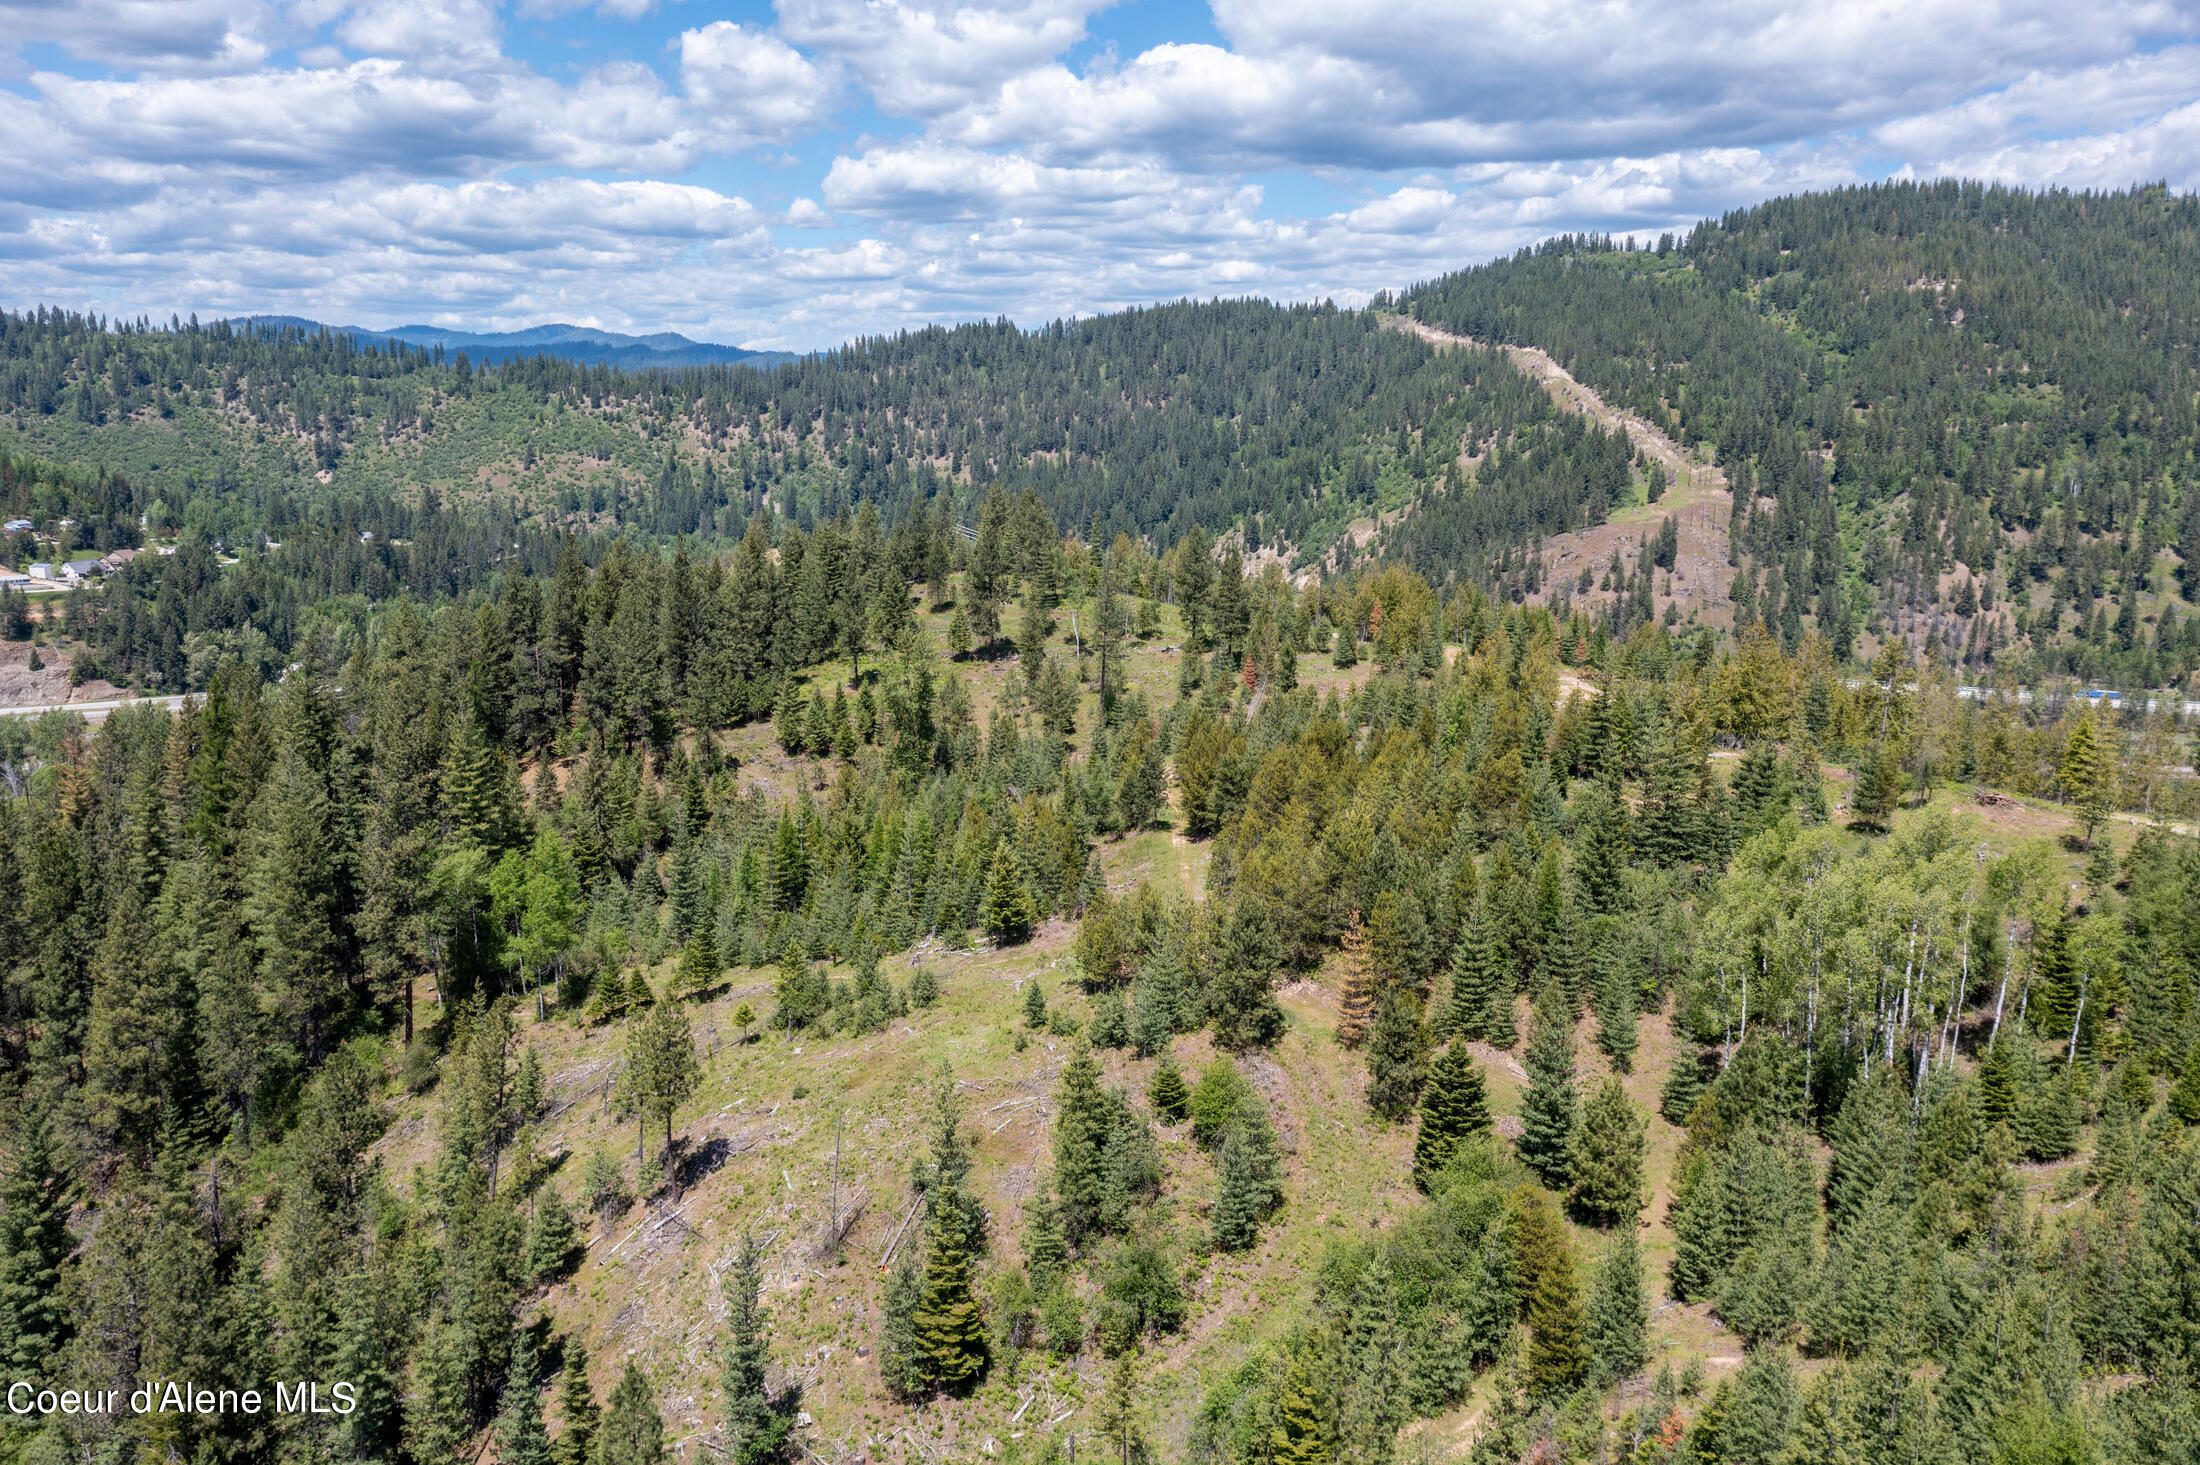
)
(1947, 398)
(868, 968)
(1284, 424)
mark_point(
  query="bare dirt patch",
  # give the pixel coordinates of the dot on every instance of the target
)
(1699, 498)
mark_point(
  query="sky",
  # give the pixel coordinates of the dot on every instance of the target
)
(789, 175)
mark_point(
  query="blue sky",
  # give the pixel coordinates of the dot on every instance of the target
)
(790, 174)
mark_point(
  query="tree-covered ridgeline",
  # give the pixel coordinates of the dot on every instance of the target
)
(1960, 414)
(1282, 423)
(1941, 399)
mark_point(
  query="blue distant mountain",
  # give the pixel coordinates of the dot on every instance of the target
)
(570, 343)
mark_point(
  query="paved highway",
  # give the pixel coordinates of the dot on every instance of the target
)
(93, 711)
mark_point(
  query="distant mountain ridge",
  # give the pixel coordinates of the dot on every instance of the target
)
(584, 344)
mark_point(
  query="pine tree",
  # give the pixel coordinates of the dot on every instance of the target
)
(1080, 1137)
(1759, 788)
(1600, 862)
(1454, 1106)
(35, 1243)
(521, 1439)
(2052, 1115)
(1548, 1109)
(1481, 985)
(1159, 1000)
(1241, 998)
(1761, 1411)
(1998, 1094)
(950, 1335)
(662, 1071)
(1008, 912)
(436, 1416)
(1878, 788)
(1171, 1100)
(2086, 775)
(1615, 1009)
(1296, 1436)
(551, 1239)
(1035, 1005)
(576, 1442)
(1111, 1025)
(2184, 1095)
(1356, 1000)
(1116, 1431)
(1558, 1352)
(632, 1431)
(1242, 1195)
(1670, 830)
(1619, 1317)
(1682, 1086)
(699, 964)
(2056, 980)
(900, 1363)
(756, 1429)
(1607, 1157)
(1395, 1045)
(1044, 1251)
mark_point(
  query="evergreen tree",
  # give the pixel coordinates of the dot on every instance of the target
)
(1761, 1410)
(1043, 1249)
(1241, 999)
(1481, 985)
(1008, 912)
(632, 1432)
(2086, 775)
(1878, 788)
(1759, 788)
(1600, 860)
(1548, 1112)
(1160, 1000)
(2184, 1095)
(521, 1439)
(1356, 1000)
(699, 964)
(1670, 829)
(662, 1072)
(1873, 1147)
(756, 1427)
(1395, 1046)
(1998, 1095)
(1858, 1285)
(1607, 1157)
(1035, 1005)
(1615, 1009)
(551, 1239)
(576, 1441)
(951, 1342)
(1558, 1350)
(1296, 1436)
(1111, 1025)
(1682, 1086)
(1241, 1196)
(35, 1245)
(1454, 1107)
(1171, 1100)
(1080, 1139)
(436, 1415)
(1618, 1318)
(900, 1361)
(2051, 1115)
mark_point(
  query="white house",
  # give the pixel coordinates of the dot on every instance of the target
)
(16, 526)
(82, 569)
(41, 571)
